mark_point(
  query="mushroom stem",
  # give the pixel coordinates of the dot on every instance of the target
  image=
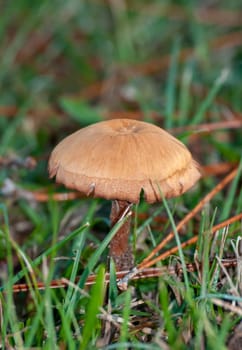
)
(120, 249)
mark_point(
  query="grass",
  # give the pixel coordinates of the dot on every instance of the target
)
(66, 65)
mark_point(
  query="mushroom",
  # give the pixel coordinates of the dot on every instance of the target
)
(117, 159)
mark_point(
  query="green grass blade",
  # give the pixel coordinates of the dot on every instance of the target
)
(184, 96)
(79, 248)
(96, 255)
(124, 332)
(167, 314)
(113, 290)
(178, 242)
(210, 97)
(171, 86)
(92, 262)
(228, 204)
(10, 319)
(49, 320)
(49, 251)
(94, 304)
(74, 271)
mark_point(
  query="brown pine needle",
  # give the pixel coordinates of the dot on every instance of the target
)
(235, 123)
(191, 214)
(62, 283)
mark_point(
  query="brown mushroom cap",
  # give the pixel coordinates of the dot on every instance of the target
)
(118, 158)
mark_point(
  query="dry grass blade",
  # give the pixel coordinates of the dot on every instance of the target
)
(227, 306)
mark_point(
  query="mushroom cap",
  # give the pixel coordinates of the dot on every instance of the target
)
(116, 159)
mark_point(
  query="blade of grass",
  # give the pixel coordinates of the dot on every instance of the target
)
(11, 131)
(49, 319)
(112, 290)
(96, 255)
(148, 261)
(207, 235)
(95, 302)
(228, 204)
(10, 319)
(184, 98)
(80, 245)
(124, 332)
(39, 259)
(198, 117)
(178, 243)
(171, 85)
(167, 314)
(93, 261)
(66, 325)
(149, 220)
(74, 271)
(36, 323)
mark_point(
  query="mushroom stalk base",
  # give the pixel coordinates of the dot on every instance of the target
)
(120, 250)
